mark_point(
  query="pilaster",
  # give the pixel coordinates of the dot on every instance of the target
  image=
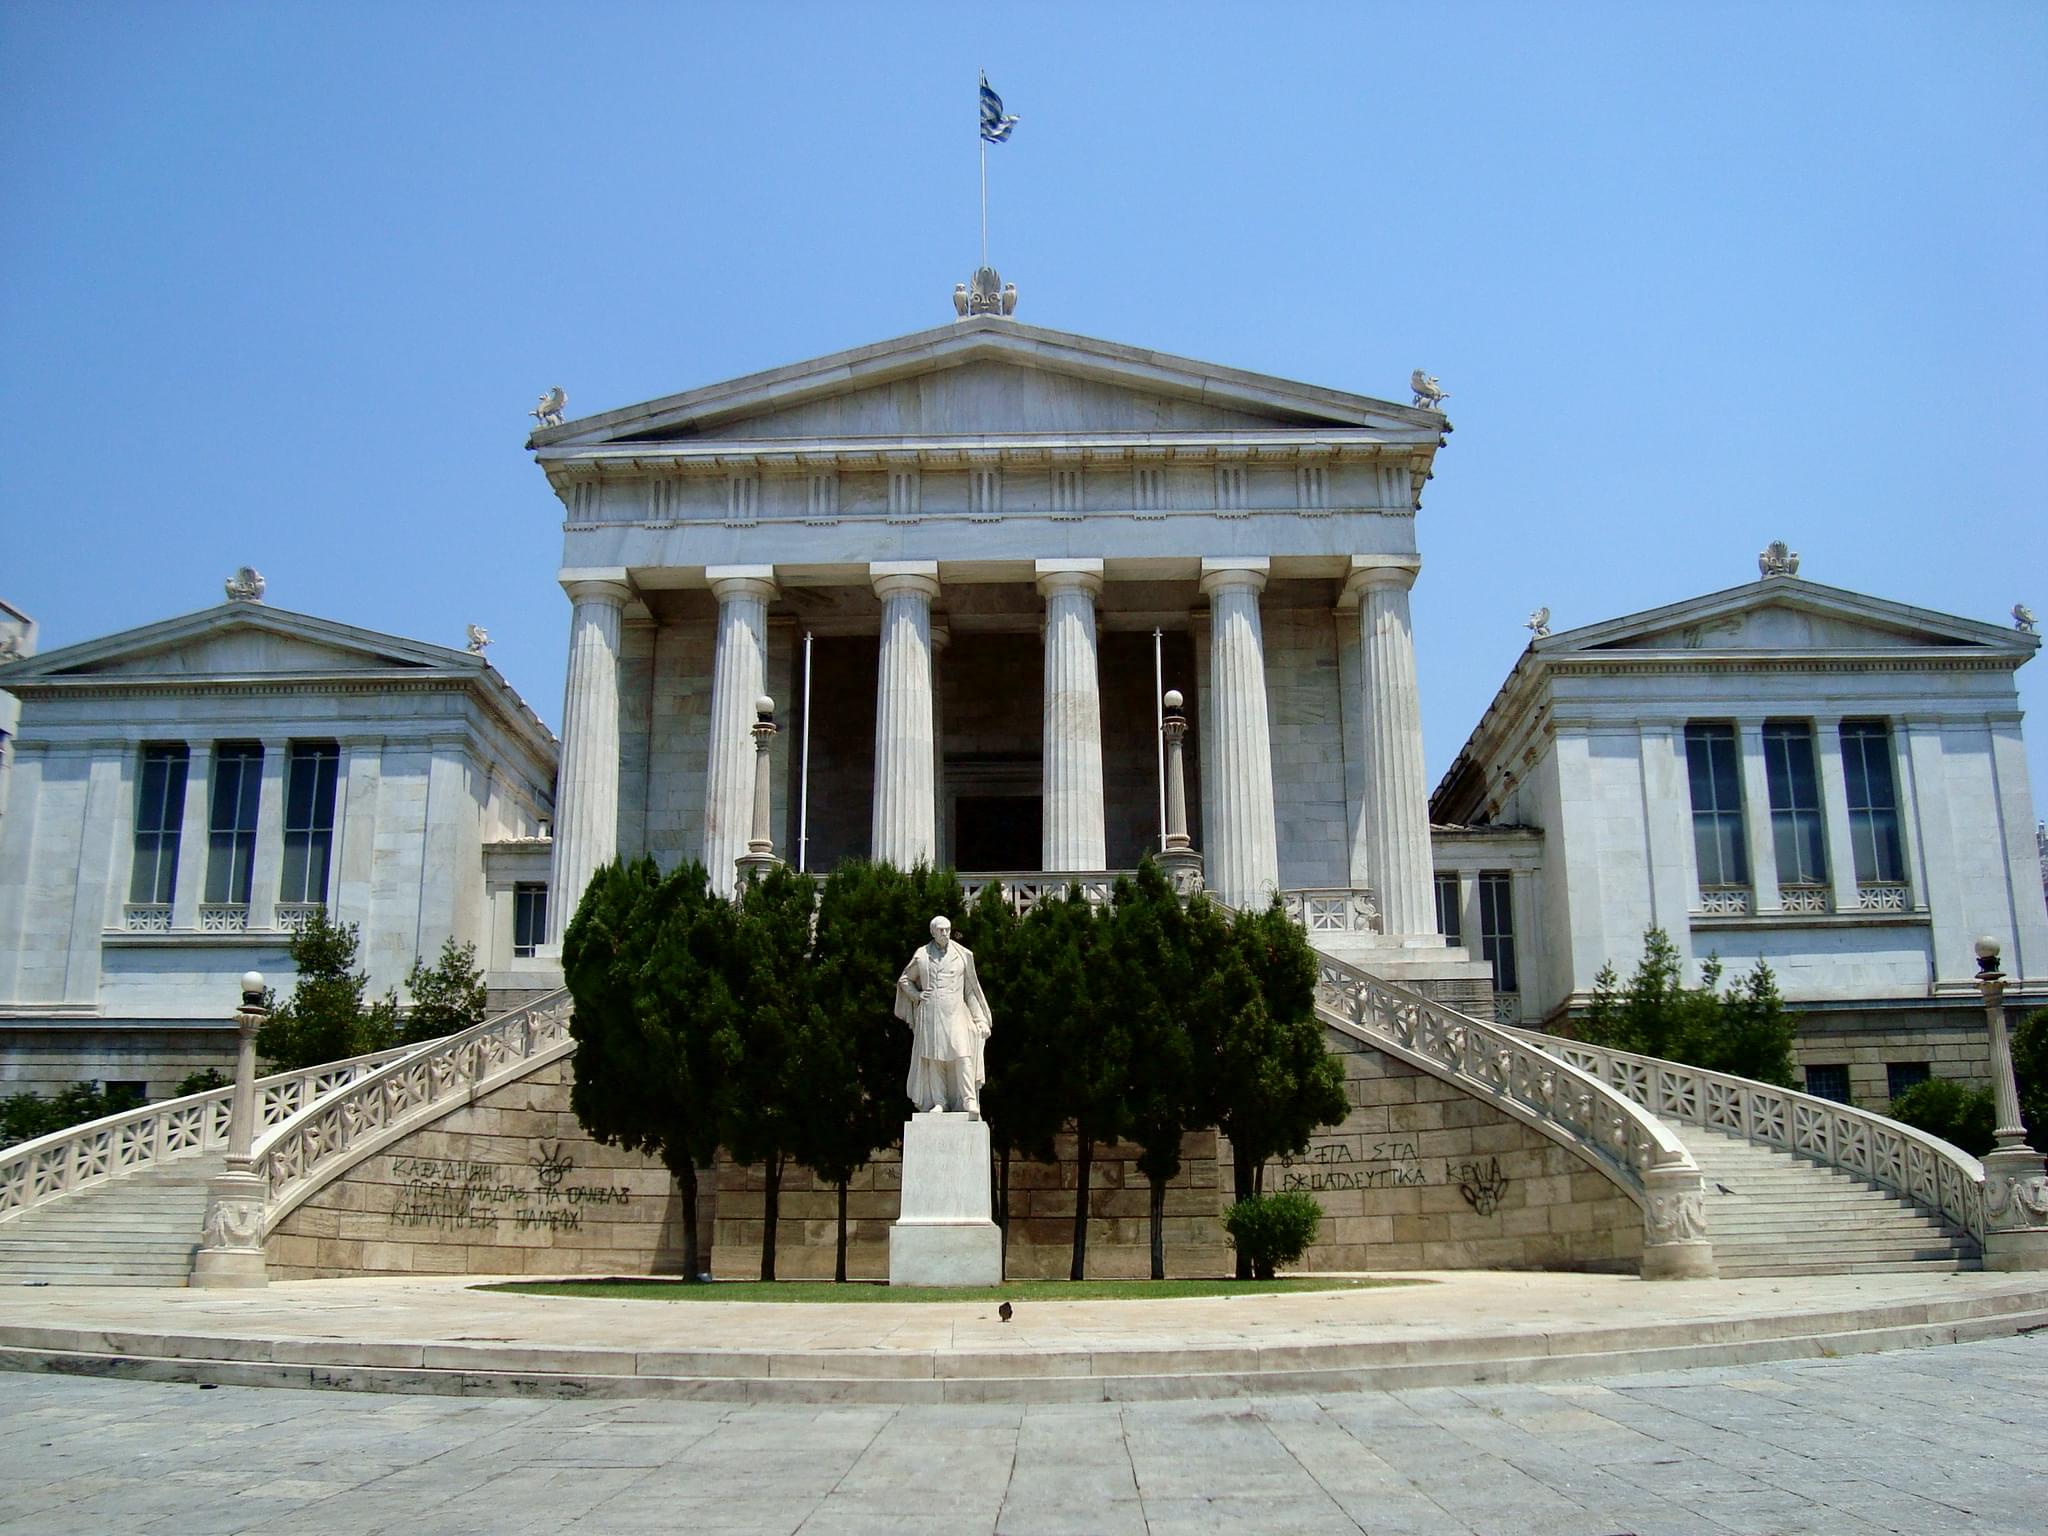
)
(1756, 819)
(266, 867)
(93, 905)
(1834, 801)
(190, 882)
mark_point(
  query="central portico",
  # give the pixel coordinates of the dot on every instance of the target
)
(965, 563)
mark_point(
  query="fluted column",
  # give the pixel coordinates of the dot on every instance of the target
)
(587, 783)
(904, 824)
(1396, 810)
(1243, 854)
(1073, 837)
(739, 676)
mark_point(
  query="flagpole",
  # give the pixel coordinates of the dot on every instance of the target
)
(978, 139)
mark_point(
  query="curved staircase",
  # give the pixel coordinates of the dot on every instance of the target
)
(1774, 1213)
(139, 1230)
(1776, 1182)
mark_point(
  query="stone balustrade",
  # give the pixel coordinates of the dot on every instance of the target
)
(1923, 1169)
(1507, 1069)
(138, 1139)
(1335, 910)
(300, 1154)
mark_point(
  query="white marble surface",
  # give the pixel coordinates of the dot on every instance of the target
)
(1073, 826)
(905, 805)
(944, 1234)
(587, 790)
(739, 676)
(1242, 860)
(1395, 814)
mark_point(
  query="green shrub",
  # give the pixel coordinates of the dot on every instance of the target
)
(205, 1080)
(25, 1116)
(1272, 1230)
(1941, 1106)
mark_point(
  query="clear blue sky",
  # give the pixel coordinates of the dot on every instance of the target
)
(279, 282)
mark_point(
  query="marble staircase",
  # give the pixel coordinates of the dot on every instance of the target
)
(138, 1230)
(1774, 1213)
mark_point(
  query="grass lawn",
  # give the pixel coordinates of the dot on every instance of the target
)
(875, 1290)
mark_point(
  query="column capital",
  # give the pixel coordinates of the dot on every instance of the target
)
(730, 581)
(1069, 576)
(890, 577)
(1368, 571)
(598, 585)
(1223, 574)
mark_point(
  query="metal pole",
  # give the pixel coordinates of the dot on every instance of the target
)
(803, 813)
(978, 139)
(1159, 711)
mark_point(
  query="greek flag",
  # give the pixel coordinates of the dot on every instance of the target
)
(995, 128)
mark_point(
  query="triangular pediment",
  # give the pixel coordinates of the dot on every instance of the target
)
(237, 640)
(983, 377)
(1782, 614)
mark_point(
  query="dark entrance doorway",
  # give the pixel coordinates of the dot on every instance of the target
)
(998, 832)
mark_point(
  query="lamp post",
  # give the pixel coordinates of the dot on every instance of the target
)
(760, 855)
(231, 1245)
(1177, 856)
(2015, 1184)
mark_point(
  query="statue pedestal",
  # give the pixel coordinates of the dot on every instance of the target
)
(944, 1235)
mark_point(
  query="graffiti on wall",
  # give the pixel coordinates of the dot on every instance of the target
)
(455, 1195)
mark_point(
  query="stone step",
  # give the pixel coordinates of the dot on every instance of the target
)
(1759, 1271)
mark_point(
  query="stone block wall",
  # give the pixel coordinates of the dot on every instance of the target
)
(1422, 1175)
(1953, 1043)
(48, 1061)
(508, 1185)
(1305, 705)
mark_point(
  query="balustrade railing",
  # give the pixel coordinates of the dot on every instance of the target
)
(1909, 1162)
(1341, 909)
(147, 917)
(1881, 896)
(1804, 898)
(300, 1153)
(1024, 889)
(33, 1172)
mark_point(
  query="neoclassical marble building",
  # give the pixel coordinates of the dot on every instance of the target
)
(1784, 771)
(965, 564)
(184, 793)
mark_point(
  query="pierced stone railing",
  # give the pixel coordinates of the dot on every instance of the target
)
(79, 1156)
(1336, 910)
(147, 917)
(1922, 1168)
(1556, 1097)
(293, 916)
(301, 1154)
(1805, 898)
(1024, 889)
(1881, 896)
(224, 917)
(1724, 901)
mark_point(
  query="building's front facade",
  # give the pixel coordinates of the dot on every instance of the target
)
(965, 564)
(1831, 783)
(185, 793)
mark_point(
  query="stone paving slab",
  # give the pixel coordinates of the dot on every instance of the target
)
(1933, 1440)
(444, 1336)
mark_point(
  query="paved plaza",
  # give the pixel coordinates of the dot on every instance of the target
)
(1947, 1439)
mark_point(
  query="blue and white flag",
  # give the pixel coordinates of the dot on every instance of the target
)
(995, 128)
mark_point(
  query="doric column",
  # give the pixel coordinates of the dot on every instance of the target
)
(587, 783)
(1396, 810)
(739, 676)
(1074, 839)
(1243, 857)
(941, 638)
(904, 819)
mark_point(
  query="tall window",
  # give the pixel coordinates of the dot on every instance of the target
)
(1716, 804)
(1497, 928)
(1796, 821)
(1449, 916)
(231, 828)
(529, 918)
(1873, 802)
(159, 811)
(308, 820)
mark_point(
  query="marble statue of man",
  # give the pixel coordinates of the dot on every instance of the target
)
(939, 997)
